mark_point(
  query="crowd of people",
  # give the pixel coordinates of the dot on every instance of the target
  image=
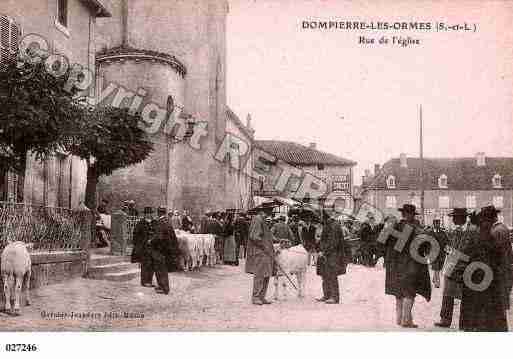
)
(474, 257)
(474, 237)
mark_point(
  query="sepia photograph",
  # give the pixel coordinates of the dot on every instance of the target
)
(306, 166)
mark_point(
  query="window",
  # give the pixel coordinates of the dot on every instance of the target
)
(471, 201)
(442, 181)
(261, 181)
(497, 181)
(391, 182)
(391, 202)
(62, 12)
(443, 202)
(61, 181)
(498, 201)
(320, 167)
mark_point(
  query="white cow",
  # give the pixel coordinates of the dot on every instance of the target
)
(191, 248)
(209, 252)
(293, 260)
(16, 271)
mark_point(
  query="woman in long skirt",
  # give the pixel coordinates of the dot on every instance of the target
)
(230, 246)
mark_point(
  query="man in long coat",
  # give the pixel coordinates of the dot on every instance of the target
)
(485, 310)
(368, 234)
(453, 245)
(143, 232)
(260, 256)
(405, 277)
(163, 244)
(333, 259)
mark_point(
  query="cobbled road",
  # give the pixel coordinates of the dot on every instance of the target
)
(217, 299)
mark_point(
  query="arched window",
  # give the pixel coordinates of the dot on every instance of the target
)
(442, 181)
(391, 182)
(497, 181)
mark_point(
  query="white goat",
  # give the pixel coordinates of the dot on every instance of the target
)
(293, 260)
(16, 271)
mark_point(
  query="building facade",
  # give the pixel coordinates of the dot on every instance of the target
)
(171, 51)
(468, 182)
(67, 27)
(333, 173)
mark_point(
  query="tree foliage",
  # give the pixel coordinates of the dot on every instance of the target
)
(36, 113)
(110, 139)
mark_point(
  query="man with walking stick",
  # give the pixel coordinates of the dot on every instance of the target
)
(260, 254)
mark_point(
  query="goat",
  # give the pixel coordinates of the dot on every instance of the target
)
(16, 271)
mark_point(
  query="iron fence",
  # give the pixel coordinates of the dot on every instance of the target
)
(44, 228)
(130, 223)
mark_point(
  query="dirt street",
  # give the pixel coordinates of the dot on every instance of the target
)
(217, 299)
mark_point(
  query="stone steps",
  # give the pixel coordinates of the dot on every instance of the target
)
(123, 276)
(101, 260)
(98, 272)
(113, 268)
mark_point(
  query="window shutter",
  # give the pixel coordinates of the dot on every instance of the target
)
(10, 34)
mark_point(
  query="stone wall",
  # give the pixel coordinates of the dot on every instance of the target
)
(55, 267)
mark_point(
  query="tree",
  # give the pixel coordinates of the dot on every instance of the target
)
(37, 114)
(110, 139)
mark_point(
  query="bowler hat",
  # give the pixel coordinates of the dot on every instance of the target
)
(458, 212)
(148, 210)
(408, 208)
(488, 212)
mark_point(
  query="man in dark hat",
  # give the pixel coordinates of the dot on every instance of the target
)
(260, 255)
(368, 234)
(405, 277)
(485, 309)
(163, 247)
(451, 250)
(333, 258)
(141, 253)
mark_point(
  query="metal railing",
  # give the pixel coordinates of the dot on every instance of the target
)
(130, 223)
(44, 228)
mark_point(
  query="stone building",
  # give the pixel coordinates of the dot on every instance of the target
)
(165, 52)
(470, 182)
(67, 28)
(331, 174)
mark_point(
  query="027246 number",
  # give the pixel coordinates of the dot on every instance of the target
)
(20, 347)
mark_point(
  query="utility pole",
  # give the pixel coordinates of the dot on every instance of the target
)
(421, 170)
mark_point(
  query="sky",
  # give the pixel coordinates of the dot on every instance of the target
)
(361, 102)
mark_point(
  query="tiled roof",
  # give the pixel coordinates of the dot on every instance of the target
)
(296, 154)
(122, 50)
(235, 119)
(462, 173)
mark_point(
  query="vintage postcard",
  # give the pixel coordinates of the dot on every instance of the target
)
(255, 166)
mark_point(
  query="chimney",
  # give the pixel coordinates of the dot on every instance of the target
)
(376, 169)
(313, 145)
(248, 124)
(480, 159)
(403, 160)
(248, 121)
